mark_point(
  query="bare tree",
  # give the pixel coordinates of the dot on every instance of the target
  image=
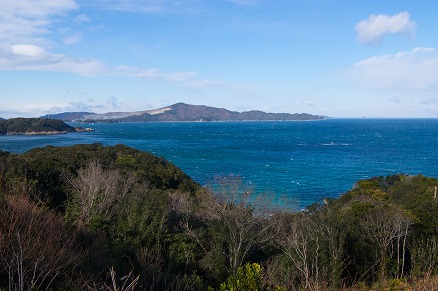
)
(333, 238)
(232, 206)
(128, 282)
(99, 192)
(425, 255)
(36, 246)
(3, 171)
(299, 241)
(386, 226)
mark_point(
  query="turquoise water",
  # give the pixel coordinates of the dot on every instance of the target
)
(305, 161)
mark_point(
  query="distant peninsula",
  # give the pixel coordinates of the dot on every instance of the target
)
(182, 112)
(36, 126)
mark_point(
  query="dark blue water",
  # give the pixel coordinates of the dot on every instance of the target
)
(305, 161)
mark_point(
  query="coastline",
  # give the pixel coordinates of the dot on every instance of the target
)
(37, 133)
(53, 132)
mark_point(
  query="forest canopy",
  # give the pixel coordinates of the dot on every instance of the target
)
(34, 126)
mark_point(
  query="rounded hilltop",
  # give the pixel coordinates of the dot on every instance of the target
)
(36, 126)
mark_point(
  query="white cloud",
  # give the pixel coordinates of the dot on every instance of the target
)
(113, 103)
(31, 110)
(371, 30)
(32, 8)
(43, 108)
(82, 18)
(24, 40)
(412, 71)
(28, 20)
(26, 57)
(24, 30)
(27, 50)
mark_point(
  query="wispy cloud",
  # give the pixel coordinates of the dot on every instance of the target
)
(27, 57)
(29, 8)
(411, 71)
(27, 50)
(244, 2)
(81, 18)
(189, 79)
(148, 6)
(42, 108)
(153, 74)
(23, 43)
(373, 29)
(305, 103)
(26, 21)
(35, 58)
(111, 103)
(198, 84)
(73, 38)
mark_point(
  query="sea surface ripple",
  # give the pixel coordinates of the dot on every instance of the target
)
(302, 161)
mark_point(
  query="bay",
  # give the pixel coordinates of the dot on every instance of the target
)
(302, 161)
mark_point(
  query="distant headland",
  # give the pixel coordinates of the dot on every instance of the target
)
(36, 126)
(182, 112)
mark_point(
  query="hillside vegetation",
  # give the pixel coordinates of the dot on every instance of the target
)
(34, 126)
(115, 218)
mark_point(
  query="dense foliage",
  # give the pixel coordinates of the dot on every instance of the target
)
(115, 218)
(36, 125)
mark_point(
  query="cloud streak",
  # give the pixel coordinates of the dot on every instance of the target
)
(25, 23)
(27, 57)
(146, 6)
(153, 74)
(413, 71)
(28, 20)
(188, 78)
(373, 29)
(243, 2)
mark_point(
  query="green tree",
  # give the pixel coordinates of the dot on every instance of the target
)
(247, 278)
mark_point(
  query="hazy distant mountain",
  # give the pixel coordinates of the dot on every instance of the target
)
(183, 112)
(67, 116)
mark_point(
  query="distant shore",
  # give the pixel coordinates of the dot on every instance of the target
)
(53, 132)
(37, 133)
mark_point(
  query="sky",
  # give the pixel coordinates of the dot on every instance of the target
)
(337, 58)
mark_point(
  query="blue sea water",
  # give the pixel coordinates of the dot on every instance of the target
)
(303, 161)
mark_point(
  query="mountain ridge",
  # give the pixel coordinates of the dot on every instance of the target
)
(182, 112)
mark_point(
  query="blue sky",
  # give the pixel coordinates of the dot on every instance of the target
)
(332, 57)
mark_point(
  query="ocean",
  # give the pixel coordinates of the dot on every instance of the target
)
(303, 161)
